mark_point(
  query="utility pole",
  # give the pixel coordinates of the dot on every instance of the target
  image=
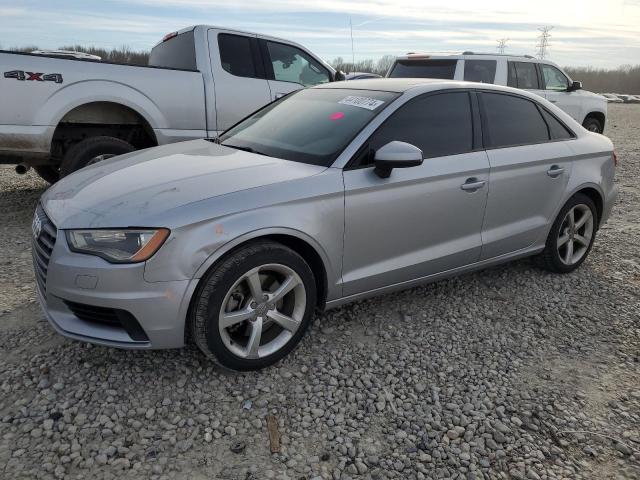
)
(353, 56)
(543, 41)
(502, 44)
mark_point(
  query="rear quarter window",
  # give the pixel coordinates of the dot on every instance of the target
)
(483, 71)
(557, 130)
(177, 52)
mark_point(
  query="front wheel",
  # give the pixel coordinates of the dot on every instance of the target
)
(254, 307)
(571, 236)
(593, 125)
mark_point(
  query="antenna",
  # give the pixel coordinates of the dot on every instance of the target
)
(502, 44)
(543, 42)
(353, 57)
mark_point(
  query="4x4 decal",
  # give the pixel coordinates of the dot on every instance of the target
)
(34, 76)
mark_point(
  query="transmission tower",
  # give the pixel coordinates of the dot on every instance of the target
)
(543, 41)
(502, 44)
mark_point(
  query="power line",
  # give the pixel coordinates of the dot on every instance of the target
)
(543, 41)
(502, 44)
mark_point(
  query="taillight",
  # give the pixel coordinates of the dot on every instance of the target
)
(169, 36)
(615, 159)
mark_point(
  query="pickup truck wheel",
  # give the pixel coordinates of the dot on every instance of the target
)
(49, 173)
(254, 307)
(593, 125)
(92, 150)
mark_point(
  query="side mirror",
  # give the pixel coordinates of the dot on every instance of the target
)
(396, 155)
(339, 76)
(575, 86)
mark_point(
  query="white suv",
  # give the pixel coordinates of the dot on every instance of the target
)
(538, 76)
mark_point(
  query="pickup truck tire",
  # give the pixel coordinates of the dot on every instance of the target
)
(49, 173)
(592, 124)
(90, 150)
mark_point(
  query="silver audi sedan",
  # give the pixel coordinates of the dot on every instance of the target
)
(326, 196)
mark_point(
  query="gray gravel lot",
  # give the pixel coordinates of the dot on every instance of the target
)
(484, 376)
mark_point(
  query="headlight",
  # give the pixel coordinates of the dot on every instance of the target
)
(118, 246)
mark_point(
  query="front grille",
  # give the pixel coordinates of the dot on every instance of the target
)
(113, 317)
(42, 243)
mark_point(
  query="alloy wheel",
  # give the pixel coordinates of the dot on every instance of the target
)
(575, 234)
(262, 311)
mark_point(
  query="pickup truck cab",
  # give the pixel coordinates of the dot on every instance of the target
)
(61, 114)
(542, 77)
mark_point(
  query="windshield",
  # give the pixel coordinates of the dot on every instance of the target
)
(444, 69)
(309, 126)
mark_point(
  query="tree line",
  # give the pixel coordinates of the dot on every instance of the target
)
(624, 79)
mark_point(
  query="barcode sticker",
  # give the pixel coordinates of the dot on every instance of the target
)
(362, 102)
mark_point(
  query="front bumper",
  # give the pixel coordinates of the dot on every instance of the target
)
(160, 308)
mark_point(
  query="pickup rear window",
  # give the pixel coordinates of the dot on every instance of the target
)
(175, 52)
(444, 69)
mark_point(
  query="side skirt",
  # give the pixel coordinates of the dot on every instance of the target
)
(526, 252)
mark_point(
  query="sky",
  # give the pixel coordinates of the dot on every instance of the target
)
(599, 33)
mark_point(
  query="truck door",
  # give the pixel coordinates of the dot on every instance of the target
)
(557, 91)
(238, 76)
(290, 68)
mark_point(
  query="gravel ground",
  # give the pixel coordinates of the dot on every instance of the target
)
(489, 375)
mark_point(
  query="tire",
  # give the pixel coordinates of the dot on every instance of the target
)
(555, 255)
(87, 152)
(593, 125)
(49, 173)
(227, 288)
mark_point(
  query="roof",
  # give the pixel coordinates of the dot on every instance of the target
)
(422, 85)
(397, 85)
(469, 55)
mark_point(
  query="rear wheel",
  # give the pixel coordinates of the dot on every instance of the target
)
(593, 125)
(254, 307)
(571, 236)
(92, 150)
(49, 173)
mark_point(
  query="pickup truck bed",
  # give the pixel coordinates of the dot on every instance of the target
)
(48, 93)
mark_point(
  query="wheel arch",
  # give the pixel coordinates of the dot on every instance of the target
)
(600, 116)
(297, 241)
(597, 198)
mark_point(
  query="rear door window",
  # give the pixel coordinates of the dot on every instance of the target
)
(438, 124)
(237, 55)
(523, 75)
(483, 71)
(444, 69)
(511, 120)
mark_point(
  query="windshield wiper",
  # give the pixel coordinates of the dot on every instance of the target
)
(245, 149)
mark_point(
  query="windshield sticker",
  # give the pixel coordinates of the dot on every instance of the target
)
(336, 116)
(361, 102)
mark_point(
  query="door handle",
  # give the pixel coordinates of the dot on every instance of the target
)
(555, 171)
(472, 184)
(280, 95)
(553, 101)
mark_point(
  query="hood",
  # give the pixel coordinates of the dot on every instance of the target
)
(133, 188)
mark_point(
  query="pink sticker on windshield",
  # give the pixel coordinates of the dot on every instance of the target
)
(336, 116)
